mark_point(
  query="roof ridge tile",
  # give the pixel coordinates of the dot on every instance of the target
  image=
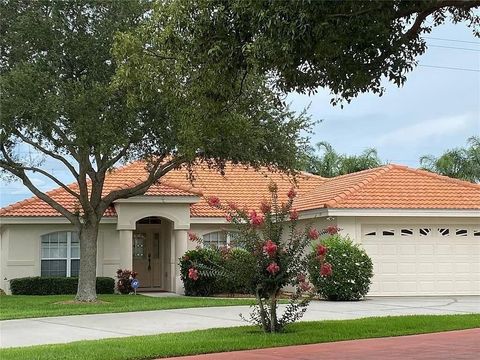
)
(375, 174)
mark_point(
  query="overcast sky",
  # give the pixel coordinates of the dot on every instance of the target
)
(435, 110)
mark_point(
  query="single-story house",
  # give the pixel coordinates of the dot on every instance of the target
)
(421, 230)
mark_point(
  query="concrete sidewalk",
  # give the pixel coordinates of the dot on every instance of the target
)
(461, 344)
(65, 329)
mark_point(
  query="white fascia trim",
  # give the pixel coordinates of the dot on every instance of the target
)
(405, 212)
(47, 220)
(312, 214)
(208, 220)
(160, 199)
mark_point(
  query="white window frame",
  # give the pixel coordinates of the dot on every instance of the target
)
(69, 257)
(227, 234)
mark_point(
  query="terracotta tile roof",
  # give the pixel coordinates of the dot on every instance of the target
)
(392, 187)
(387, 187)
(246, 187)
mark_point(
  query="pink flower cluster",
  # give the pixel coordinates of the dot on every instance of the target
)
(273, 268)
(256, 220)
(265, 207)
(293, 215)
(313, 234)
(193, 274)
(326, 269)
(213, 201)
(303, 283)
(270, 248)
(332, 230)
(321, 250)
(291, 193)
(193, 237)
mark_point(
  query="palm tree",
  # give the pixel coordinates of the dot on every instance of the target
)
(330, 163)
(460, 163)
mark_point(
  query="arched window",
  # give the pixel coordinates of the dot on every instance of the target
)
(219, 238)
(60, 254)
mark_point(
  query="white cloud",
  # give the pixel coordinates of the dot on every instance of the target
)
(425, 130)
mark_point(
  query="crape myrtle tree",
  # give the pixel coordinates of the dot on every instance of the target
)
(278, 247)
(62, 94)
(91, 83)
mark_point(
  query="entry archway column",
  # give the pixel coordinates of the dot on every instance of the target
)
(180, 246)
(126, 249)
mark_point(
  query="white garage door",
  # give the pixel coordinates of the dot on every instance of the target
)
(423, 260)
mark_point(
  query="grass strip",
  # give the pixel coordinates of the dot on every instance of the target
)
(242, 338)
(22, 306)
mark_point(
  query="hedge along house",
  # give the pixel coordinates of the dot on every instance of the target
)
(422, 230)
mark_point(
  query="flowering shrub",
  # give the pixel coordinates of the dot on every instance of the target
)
(237, 263)
(276, 263)
(190, 264)
(352, 273)
(124, 281)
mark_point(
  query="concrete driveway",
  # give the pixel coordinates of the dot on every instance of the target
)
(65, 329)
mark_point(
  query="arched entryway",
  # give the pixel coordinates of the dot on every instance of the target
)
(151, 251)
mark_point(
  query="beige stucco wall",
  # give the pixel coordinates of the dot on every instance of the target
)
(21, 255)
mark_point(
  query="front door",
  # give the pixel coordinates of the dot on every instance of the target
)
(146, 259)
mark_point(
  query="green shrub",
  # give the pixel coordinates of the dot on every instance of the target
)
(352, 270)
(56, 285)
(204, 285)
(2, 293)
(240, 266)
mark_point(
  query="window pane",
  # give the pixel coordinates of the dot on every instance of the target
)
(75, 251)
(54, 268)
(139, 245)
(74, 268)
(217, 239)
(45, 249)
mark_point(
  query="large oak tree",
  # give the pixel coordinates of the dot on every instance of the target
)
(92, 83)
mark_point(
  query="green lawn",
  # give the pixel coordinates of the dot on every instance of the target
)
(241, 338)
(19, 307)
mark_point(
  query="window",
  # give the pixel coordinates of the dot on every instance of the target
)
(461, 232)
(444, 231)
(425, 231)
(220, 238)
(406, 232)
(60, 254)
(476, 232)
(388, 232)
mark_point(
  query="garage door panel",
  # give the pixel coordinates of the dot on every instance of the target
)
(407, 268)
(389, 249)
(426, 286)
(460, 249)
(426, 268)
(425, 249)
(444, 249)
(438, 263)
(407, 249)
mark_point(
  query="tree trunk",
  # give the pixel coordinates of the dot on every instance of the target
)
(263, 315)
(88, 262)
(273, 313)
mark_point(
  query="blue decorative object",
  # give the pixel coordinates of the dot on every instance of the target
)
(135, 283)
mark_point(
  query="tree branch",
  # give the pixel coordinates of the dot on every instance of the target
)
(10, 165)
(53, 178)
(48, 152)
(154, 175)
